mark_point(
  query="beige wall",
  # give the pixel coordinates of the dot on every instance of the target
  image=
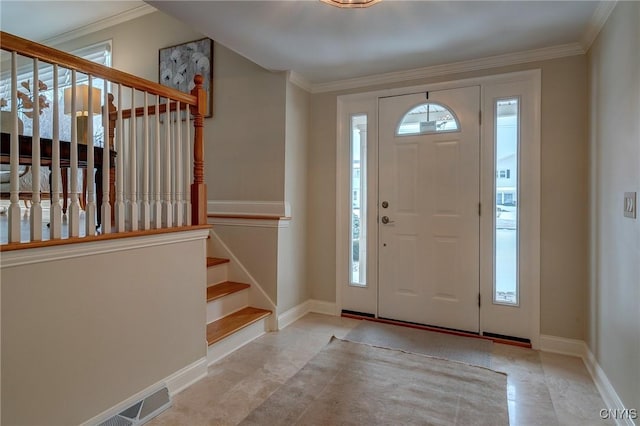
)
(321, 198)
(245, 141)
(276, 257)
(83, 334)
(292, 257)
(563, 185)
(256, 248)
(614, 86)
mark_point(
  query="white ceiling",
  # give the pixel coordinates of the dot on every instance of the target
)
(322, 43)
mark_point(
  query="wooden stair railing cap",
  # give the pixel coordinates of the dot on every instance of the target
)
(24, 47)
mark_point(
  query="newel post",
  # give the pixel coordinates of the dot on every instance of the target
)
(198, 187)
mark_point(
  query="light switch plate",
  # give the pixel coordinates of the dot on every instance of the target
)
(630, 204)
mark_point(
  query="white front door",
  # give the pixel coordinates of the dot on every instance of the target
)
(428, 208)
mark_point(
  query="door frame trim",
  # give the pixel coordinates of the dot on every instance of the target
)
(368, 103)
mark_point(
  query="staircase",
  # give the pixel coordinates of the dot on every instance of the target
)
(231, 322)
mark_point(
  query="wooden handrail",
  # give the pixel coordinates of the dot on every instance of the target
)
(47, 54)
(139, 112)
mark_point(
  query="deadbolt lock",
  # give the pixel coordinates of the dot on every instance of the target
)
(385, 204)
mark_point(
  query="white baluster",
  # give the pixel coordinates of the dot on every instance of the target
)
(166, 205)
(55, 214)
(133, 166)
(187, 167)
(74, 207)
(36, 205)
(105, 226)
(119, 208)
(172, 170)
(145, 210)
(157, 203)
(90, 207)
(13, 233)
(178, 203)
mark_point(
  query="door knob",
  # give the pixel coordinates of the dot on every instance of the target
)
(385, 220)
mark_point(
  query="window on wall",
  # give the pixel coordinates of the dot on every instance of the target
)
(358, 240)
(506, 286)
(99, 53)
(428, 118)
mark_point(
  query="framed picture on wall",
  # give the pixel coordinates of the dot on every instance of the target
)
(179, 64)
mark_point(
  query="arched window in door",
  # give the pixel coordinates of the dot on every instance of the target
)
(428, 118)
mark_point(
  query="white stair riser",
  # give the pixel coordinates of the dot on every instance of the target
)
(237, 340)
(226, 305)
(217, 274)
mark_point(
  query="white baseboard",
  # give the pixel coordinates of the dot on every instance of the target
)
(322, 307)
(606, 389)
(316, 306)
(579, 348)
(562, 345)
(292, 315)
(182, 379)
(175, 383)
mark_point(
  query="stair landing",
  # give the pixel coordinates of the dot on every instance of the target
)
(228, 325)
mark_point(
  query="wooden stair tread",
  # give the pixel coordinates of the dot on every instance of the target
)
(213, 261)
(228, 325)
(223, 289)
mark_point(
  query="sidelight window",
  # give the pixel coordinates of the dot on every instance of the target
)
(507, 139)
(358, 240)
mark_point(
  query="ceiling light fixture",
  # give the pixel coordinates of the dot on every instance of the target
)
(351, 3)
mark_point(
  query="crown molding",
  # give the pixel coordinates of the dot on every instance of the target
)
(125, 16)
(597, 21)
(299, 80)
(543, 54)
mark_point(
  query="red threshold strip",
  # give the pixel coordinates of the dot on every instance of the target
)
(438, 330)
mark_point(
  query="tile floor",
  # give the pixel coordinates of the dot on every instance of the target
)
(543, 388)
